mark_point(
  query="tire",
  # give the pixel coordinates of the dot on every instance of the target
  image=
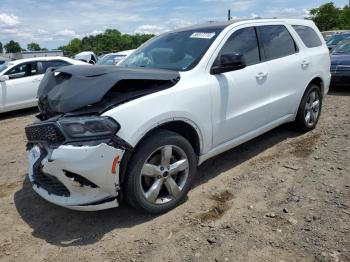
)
(149, 182)
(309, 110)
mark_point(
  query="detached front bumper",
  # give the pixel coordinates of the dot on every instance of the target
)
(76, 177)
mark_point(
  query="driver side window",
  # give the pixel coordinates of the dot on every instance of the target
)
(244, 41)
(22, 70)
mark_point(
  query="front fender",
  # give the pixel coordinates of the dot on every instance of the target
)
(133, 134)
(139, 116)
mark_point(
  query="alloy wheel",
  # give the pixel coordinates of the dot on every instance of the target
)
(312, 108)
(164, 174)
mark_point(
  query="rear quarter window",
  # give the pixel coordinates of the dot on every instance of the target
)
(308, 35)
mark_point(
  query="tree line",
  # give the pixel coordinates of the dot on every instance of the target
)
(326, 17)
(329, 17)
(15, 47)
(109, 41)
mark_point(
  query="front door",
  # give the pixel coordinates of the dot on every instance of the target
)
(241, 97)
(21, 89)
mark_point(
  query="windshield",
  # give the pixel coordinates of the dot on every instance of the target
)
(335, 39)
(342, 48)
(110, 59)
(3, 67)
(180, 51)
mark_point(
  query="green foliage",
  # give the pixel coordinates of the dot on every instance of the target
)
(33, 47)
(329, 17)
(345, 18)
(12, 47)
(1, 48)
(109, 41)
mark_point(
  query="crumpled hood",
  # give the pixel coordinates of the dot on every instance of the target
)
(70, 88)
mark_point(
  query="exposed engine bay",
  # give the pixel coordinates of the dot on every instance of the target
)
(95, 89)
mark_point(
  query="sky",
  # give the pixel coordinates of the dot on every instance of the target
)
(52, 23)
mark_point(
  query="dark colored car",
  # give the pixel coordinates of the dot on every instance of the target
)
(336, 39)
(340, 64)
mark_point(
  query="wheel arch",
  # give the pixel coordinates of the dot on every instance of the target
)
(183, 127)
(318, 81)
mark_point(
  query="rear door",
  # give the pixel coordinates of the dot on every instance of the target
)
(240, 98)
(315, 58)
(285, 67)
(20, 90)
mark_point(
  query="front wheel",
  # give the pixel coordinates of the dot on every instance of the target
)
(309, 109)
(161, 172)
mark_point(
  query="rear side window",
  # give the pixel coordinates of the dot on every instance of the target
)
(244, 42)
(308, 35)
(276, 41)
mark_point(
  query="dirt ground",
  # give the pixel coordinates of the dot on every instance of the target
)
(281, 197)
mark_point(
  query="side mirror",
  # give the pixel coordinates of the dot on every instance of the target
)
(227, 63)
(4, 78)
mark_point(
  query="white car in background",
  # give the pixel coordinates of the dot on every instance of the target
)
(114, 58)
(19, 80)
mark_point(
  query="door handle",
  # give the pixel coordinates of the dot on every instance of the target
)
(36, 80)
(305, 63)
(262, 75)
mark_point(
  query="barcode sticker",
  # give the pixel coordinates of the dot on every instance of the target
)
(202, 35)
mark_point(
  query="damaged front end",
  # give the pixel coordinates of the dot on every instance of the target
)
(74, 162)
(75, 156)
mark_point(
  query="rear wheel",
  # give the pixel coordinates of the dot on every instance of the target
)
(309, 109)
(161, 172)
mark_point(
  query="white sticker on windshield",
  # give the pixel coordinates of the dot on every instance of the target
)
(202, 35)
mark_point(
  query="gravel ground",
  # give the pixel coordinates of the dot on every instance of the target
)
(284, 196)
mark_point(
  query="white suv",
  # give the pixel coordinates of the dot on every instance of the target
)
(139, 131)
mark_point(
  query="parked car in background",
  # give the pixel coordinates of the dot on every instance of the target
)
(114, 58)
(334, 40)
(19, 80)
(328, 34)
(87, 56)
(340, 64)
(139, 130)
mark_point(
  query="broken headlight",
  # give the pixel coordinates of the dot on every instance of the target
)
(88, 127)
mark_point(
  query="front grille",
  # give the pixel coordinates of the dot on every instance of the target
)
(50, 183)
(48, 132)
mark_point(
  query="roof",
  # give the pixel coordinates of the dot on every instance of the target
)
(223, 24)
(42, 52)
(209, 25)
(45, 58)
